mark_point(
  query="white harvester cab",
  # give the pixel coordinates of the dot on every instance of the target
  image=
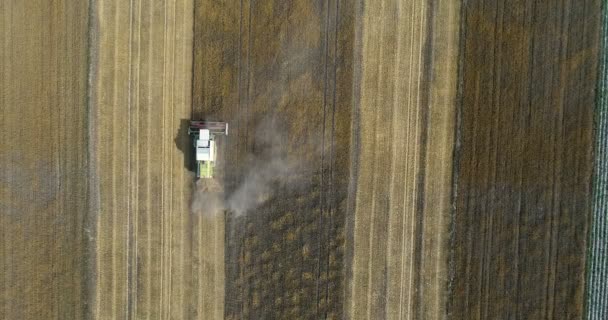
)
(205, 145)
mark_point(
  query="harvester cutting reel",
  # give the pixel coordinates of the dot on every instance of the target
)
(205, 145)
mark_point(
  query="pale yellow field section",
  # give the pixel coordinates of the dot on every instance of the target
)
(406, 103)
(95, 192)
(154, 258)
(95, 219)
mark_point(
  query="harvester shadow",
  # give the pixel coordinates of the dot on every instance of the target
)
(183, 142)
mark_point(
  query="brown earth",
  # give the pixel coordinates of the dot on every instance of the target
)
(44, 233)
(349, 95)
(280, 73)
(386, 159)
(524, 161)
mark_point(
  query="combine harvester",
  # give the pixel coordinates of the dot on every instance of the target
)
(205, 133)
